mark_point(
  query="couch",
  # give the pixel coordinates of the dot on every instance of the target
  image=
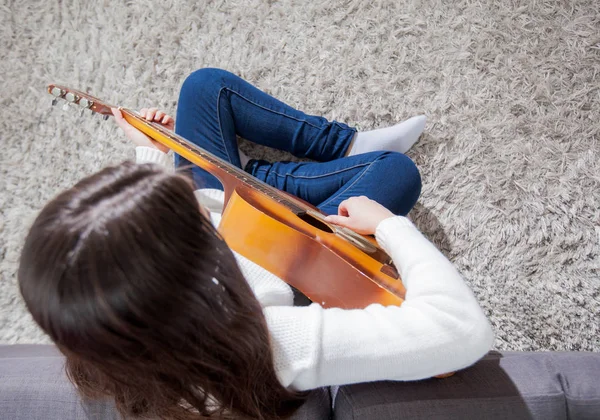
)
(508, 385)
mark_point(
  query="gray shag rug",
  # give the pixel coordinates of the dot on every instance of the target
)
(510, 159)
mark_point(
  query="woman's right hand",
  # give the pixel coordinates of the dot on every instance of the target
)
(139, 138)
(360, 214)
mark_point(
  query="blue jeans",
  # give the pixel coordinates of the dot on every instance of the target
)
(215, 106)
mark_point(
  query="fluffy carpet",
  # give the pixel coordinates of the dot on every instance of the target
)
(510, 159)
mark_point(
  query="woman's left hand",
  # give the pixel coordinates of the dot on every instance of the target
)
(139, 138)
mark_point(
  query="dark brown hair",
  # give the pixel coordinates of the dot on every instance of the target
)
(147, 302)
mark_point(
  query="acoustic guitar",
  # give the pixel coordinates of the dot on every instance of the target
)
(332, 265)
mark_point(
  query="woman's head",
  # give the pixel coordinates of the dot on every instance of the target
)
(146, 301)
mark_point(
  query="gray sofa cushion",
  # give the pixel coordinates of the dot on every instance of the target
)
(511, 386)
(33, 386)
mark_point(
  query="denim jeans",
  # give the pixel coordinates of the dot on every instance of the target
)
(215, 106)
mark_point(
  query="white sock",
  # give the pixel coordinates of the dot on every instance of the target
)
(397, 138)
(243, 158)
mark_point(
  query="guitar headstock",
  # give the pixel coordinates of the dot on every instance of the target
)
(83, 100)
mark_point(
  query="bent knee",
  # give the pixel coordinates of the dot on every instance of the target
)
(400, 165)
(204, 79)
(403, 181)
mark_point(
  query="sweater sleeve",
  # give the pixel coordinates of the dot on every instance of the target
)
(439, 328)
(145, 154)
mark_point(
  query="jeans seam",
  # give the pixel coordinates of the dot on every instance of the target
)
(219, 122)
(324, 203)
(270, 110)
(321, 175)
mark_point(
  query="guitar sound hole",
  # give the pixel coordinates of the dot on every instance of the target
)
(314, 222)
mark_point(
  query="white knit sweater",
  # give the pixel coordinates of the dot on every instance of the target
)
(439, 328)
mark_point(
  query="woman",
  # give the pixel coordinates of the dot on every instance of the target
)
(151, 308)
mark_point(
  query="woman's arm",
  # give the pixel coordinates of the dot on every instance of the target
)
(147, 150)
(144, 154)
(439, 328)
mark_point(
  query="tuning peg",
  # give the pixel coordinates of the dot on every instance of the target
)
(71, 97)
(54, 101)
(86, 103)
(58, 92)
(65, 106)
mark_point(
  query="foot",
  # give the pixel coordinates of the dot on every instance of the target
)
(397, 138)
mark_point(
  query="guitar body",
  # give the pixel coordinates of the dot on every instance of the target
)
(305, 253)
